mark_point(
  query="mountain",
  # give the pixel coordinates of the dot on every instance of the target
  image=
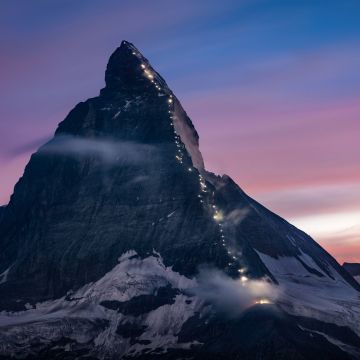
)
(353, 269)
(117, 243)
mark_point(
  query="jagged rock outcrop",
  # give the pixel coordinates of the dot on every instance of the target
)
(353, 269)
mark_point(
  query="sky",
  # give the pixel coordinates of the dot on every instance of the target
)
(272, 87)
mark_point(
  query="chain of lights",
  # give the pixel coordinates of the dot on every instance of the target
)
(217, 214)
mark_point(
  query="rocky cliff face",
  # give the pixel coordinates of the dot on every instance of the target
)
(118, 243)
(353, 269)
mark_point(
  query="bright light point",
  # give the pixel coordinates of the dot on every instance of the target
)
(142, 66)
(218, 216)
(190, 169)
(170, 101)
(262, 301)
(241, 270)
(243, 279)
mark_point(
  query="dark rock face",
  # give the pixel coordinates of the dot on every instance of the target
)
(105, 233)
(143, 303)
(74, 213)
(352, 268)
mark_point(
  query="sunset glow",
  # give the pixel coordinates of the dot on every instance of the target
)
(274, 94)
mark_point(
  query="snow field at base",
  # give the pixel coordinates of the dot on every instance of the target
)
(130, 278)
(309, 295)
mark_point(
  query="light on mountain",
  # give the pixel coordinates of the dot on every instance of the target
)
(243, 279)
(262, 301)
(170, 101)
(143, 66)
(218, 216)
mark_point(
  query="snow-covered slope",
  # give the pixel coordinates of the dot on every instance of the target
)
(102, 312)
(321, 297)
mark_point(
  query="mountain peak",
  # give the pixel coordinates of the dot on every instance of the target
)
(127, 67)
(117, 243)
(134, 90)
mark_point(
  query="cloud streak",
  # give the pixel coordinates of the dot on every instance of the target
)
(106, 150)
(232, 296)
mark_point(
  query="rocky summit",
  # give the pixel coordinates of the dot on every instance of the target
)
(118, 244)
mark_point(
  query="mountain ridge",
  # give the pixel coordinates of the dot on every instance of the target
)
(116, 231)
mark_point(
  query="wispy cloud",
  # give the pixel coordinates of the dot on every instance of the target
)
(232, 296)
(25, 149)
(107, 150)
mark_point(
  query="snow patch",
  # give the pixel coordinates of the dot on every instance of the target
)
(171, 214)
(345, 347)
(306, 294)
(187, 135)
(4, 275)
(117, 114)
(80, 316)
